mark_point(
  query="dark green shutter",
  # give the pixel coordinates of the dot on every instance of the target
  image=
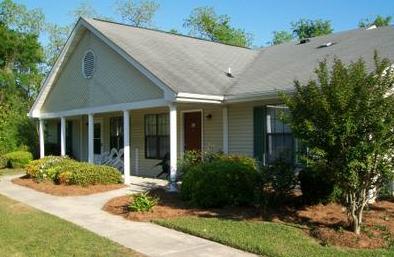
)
(259, 131)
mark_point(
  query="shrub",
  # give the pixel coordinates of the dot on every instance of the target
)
(18, 159)
(37, 169)
(65, 178)
(85, 174)
(317, 187)
(189, 159)
(67, 171)
(226, 180)
(142, 202)
(280, 177)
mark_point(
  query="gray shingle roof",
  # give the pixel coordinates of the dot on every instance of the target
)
(276, 67)
(190, 65)
(185, 64)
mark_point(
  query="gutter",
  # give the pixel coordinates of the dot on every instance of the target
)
(236, 98)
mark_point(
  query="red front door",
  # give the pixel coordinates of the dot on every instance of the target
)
(192, 128)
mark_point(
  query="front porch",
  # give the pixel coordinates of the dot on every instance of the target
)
(144, 135)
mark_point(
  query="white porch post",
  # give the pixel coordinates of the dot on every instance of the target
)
(126, 148)
(62, 136)
(42, 141)
(90, 139)
(173, 148)
(225, 130)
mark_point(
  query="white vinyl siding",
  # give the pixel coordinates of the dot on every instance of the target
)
(240, 129)
(114, 81)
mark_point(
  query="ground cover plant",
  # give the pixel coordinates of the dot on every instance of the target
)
(142, 202)
(25, 231)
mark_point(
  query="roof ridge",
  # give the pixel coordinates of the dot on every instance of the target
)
(166, 32)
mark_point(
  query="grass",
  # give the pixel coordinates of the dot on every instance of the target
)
(263, 238)
(26, 231)
(11, 171)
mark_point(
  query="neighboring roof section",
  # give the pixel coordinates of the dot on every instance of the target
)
(276, 67)
(183, 63)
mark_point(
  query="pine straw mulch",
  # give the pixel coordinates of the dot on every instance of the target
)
(326, 223)
(64, 190)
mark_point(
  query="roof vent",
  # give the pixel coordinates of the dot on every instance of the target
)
(88, 64)
(229, 74)
(305, 40)
(328, 44)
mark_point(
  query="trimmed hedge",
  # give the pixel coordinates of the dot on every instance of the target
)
(63, 170)
(18, 159)
(225, 180)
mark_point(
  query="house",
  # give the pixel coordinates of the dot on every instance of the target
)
(150, 93)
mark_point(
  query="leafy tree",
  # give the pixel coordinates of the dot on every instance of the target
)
(380, 21)
(346, 119)
(281, 36)
(57, 39)
(205, 23)
(19, 55)
(18, 17)
(85, 9)
(306, 28)
(58, 35)
(20, 76)
(139, 14)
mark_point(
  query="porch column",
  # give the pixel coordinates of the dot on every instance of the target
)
(62, 136)
(90, 139)
(225, 130)
(42, 141)
(126, 148)
(173, 148)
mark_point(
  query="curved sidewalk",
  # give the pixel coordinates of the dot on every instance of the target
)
(146, 238)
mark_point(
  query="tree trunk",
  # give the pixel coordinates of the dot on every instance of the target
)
(356, 204)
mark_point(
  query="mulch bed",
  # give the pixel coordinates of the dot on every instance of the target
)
(64, 190)
(326, 223)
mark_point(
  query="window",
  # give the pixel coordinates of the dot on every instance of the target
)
(157, 139)
(272, 139)
(279, 138)
(116, 132)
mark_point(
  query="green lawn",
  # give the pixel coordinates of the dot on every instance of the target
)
(25, 231)
(264, 238)
(11, 171)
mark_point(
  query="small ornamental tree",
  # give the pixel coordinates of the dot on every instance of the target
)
(346, 119)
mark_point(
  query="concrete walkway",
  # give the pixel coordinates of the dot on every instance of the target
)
(146, 238)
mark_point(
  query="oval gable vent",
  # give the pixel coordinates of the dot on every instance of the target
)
(88, 64)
